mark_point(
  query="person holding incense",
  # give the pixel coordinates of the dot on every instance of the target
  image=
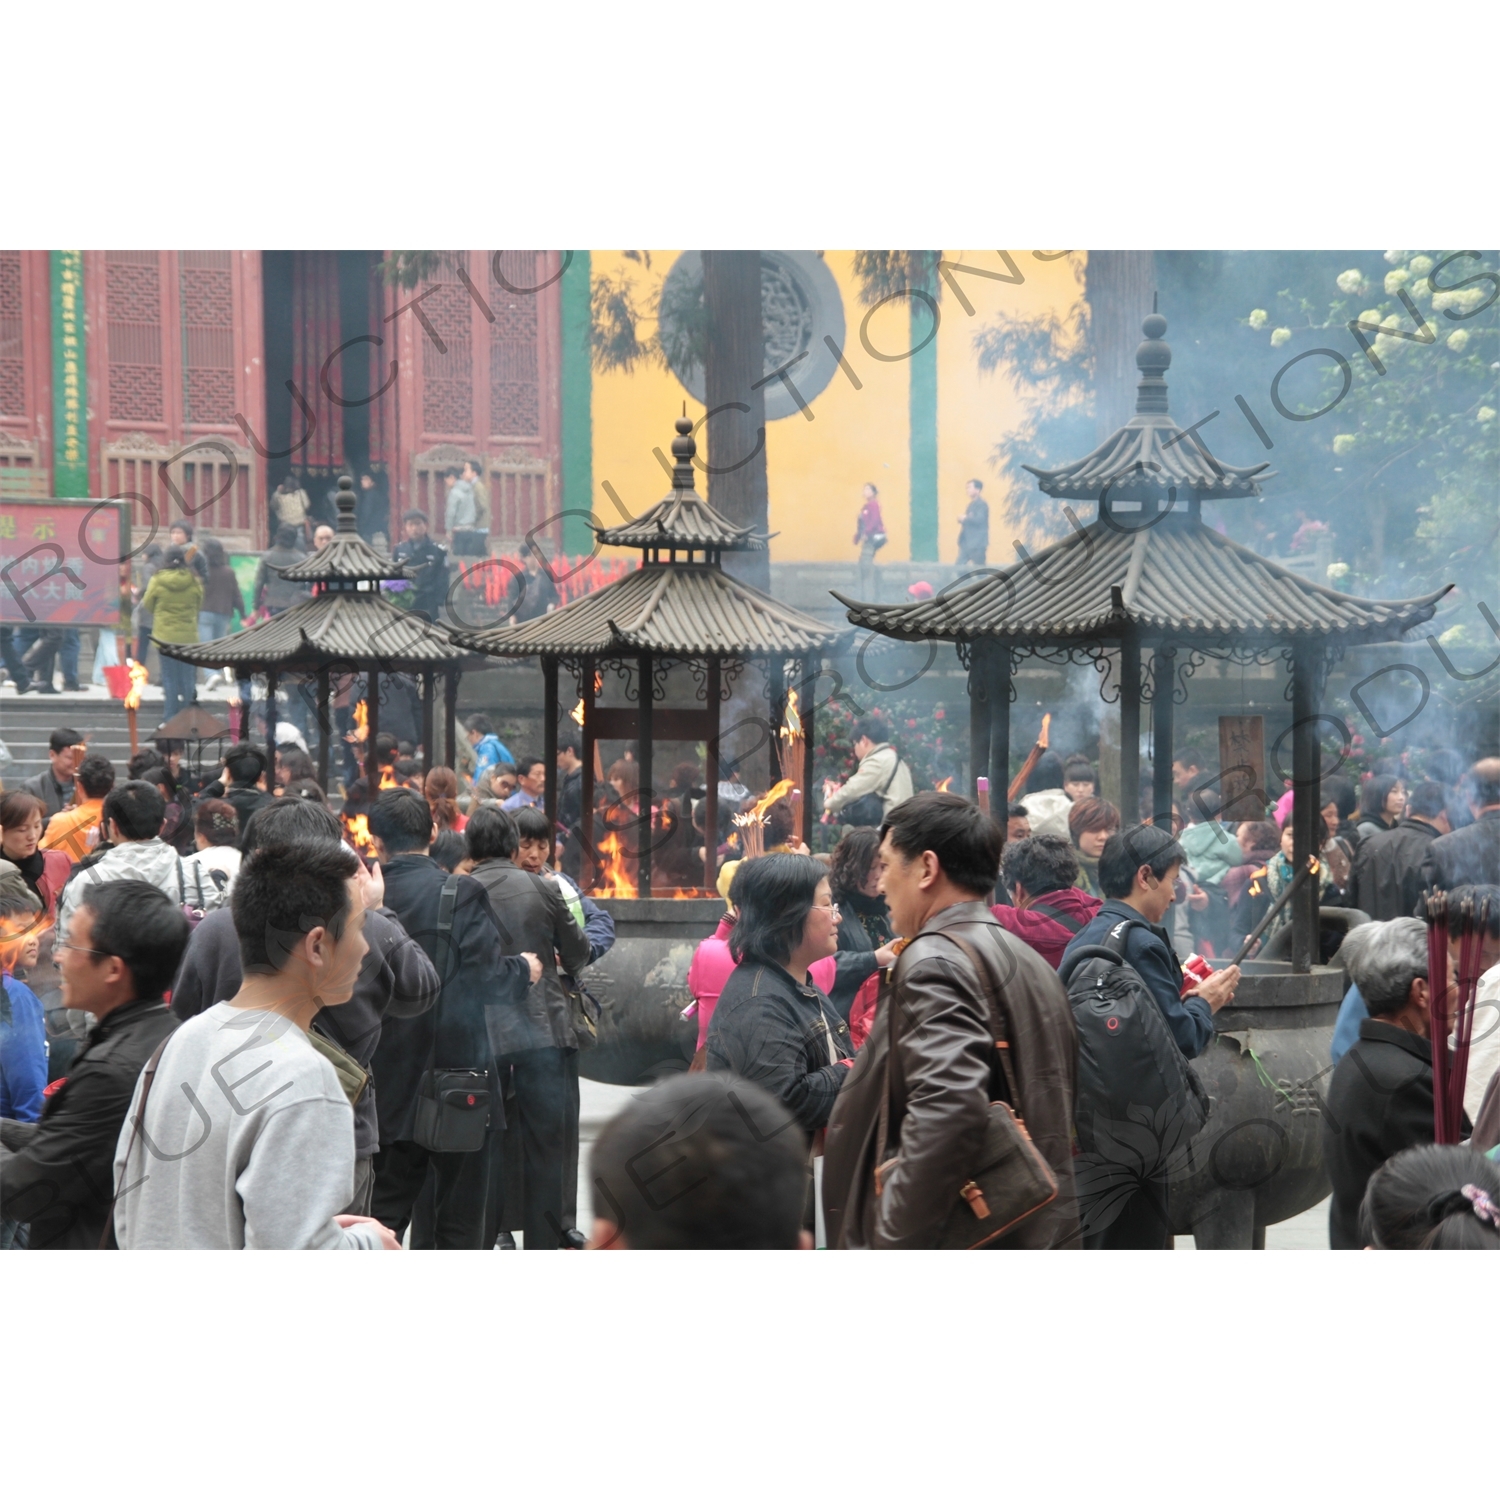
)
(1380, 1100)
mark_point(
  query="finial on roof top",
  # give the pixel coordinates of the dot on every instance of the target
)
(1152, 358)
(683, 449)
(346, 504)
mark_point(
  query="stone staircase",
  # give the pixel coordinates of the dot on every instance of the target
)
(27, 721)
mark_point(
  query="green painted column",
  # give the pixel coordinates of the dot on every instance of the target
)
(923, 440)
(70, 417)
(577, 408)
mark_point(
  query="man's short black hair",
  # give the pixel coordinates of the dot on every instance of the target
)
(288, 820)
(1427, 800)
(415, 515)
(185, 527)
(402, 821)
(142, 927)
(479, 724)
(64, 739)
(1126, 851)
(532, 823)
(138, 807)
(966, 842)
(1018, 810)
(490, 833)
(871, 728)
(1041, 863)
(96, 775)
(282, 892)
(1188, 758)
(526, 762)
(704, 1161)
(451, 472)
(774, 895)
(567, 742)
(286, 537)
(246, 763)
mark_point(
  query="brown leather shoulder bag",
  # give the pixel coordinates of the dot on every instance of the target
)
(1011, 1179)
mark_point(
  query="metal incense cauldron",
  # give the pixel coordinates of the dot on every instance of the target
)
(641, 987)
(1259, 1158)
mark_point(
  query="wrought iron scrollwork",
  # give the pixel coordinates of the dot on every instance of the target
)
(1100, 657)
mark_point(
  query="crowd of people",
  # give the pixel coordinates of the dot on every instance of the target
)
(235, 1017)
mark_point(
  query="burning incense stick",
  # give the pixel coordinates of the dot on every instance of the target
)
(1030, 764)
(1276, 906)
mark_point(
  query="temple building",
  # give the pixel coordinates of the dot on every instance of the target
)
(193, 382)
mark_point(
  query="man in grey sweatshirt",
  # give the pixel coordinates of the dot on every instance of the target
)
(241, 1136)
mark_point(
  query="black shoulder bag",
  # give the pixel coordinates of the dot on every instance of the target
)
(869, 810)
(453, 1104)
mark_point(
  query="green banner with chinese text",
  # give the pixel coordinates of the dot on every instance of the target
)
(70, 419)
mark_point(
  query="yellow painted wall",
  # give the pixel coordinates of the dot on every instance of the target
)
(816, 468)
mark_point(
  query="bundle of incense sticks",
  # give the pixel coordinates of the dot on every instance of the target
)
(752, 827)
(1447, 920)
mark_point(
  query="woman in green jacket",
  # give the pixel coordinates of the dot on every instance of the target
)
(173, 598)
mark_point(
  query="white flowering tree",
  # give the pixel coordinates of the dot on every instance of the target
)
(1414, 442)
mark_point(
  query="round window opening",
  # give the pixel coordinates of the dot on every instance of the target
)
(800, 308)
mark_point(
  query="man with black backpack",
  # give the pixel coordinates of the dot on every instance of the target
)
(1131, 1055)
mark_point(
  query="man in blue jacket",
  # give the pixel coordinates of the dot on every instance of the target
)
(1138, 871)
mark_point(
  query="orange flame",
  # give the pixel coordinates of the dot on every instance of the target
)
(944, 785)
(1041, 739)
(388, 782)
(792, 728)
(775, 795)
(139, 677)
(576, 715)
(357, 835)
(361, 730)
(613, 880)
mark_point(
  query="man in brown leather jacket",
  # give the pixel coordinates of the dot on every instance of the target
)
(942, 857)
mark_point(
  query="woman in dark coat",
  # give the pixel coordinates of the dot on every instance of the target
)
(1382, 803)
(772, 1025)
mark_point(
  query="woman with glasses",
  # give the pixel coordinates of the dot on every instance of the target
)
(772, 1025)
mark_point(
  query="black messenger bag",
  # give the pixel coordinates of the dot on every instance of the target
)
(453, 1104)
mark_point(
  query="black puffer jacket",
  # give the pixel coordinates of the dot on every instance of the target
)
(782, 1035)
(533, 917)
